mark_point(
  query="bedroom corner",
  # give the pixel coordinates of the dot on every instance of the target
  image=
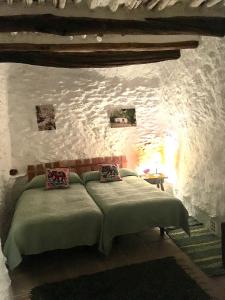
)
(182, 100)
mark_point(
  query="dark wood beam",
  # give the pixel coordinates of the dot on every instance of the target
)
(95, 47)
(87, 60)
(47, 23)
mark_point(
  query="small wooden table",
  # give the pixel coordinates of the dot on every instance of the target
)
(157, 179)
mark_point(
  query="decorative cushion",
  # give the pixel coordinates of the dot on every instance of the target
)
(57, 178)
(109, 172)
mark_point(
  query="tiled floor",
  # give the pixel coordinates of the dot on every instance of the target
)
(148, 245)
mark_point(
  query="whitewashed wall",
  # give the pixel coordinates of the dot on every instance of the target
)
(5, 147)
(5, 163)
(186, 97)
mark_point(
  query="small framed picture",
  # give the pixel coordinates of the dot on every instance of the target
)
(45, 117)
(122, 117)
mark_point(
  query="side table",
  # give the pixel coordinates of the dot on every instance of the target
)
(157, 179)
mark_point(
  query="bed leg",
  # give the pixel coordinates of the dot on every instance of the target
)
(162, 231)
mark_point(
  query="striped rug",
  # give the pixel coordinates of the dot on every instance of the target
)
(203, 247)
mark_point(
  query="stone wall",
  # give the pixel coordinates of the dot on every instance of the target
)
(185, 97)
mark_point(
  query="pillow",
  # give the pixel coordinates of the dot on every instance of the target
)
(95, 175)
(127, 172)
(57, 178)
(74, 178)
(90, 176)
(109, 172)
(36, 182)
(40, 181)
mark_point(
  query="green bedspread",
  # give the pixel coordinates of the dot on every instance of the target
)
(52, 219)
(132, 205)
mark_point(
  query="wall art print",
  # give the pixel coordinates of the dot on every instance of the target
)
(122, 117)
(45, 117)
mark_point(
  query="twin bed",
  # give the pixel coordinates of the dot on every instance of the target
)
(88, 212)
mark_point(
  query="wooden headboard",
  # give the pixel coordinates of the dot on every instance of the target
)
(79, 165)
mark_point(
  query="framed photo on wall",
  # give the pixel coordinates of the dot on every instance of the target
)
(122, 117)
(45, 117)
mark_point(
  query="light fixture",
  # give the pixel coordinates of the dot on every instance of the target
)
(99, 38)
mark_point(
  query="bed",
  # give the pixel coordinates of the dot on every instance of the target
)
(86, 215)
(132, 205)
(55, 219)
(47, 220)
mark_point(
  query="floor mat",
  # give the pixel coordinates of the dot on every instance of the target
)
(203, 247)
(161, 279)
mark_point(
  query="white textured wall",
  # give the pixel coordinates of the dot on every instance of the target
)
(5, 148)
(186, 97)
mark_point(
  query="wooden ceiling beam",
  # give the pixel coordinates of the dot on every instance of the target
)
(87, 60)
(96, 47)
(59, 25)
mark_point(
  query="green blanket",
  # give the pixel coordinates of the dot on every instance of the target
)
(52, 219)
(132, 205)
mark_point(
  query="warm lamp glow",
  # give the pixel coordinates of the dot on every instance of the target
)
(160, 159)
(150, 159)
